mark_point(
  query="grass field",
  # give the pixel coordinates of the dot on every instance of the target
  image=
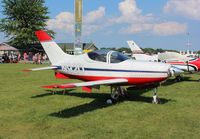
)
(28, 111)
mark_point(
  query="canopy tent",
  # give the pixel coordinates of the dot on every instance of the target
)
(6, 47)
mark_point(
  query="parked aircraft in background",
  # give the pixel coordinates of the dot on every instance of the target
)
(178, 61)
(101, 68)
(138, 54)
(189, 54)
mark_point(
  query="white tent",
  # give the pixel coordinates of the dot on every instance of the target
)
(6, 47)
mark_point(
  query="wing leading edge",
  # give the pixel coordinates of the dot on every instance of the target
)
(87, 85)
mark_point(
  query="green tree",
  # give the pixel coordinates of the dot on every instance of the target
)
(21, 19)
(149, 50)
(124, 49)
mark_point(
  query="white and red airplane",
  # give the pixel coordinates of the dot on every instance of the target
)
(178, 61)
(101, 67)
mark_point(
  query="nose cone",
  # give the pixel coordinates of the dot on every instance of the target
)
(196, 63)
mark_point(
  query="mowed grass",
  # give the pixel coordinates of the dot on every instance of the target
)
(28, 111)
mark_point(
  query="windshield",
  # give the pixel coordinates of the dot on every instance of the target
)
(107, 56)
(117, 57)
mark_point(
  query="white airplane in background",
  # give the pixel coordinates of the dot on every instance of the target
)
(138, 54)
(180, 63)
(101, 68)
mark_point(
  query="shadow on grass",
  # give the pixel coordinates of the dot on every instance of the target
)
(173, 81)
(169, 82)
(99, 102)
(189, 79)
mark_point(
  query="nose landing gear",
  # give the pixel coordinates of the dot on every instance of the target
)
(155, 100)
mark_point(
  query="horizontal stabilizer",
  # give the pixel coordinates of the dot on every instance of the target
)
(43, 68)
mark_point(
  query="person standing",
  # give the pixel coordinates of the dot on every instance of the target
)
(25, 57)
(18, 57)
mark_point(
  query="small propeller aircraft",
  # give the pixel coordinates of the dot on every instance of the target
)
(138, 54)
(101, 67)
(180, 63)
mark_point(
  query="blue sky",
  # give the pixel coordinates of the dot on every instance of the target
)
(110, 23)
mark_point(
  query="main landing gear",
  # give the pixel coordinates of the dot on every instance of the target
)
(155, 100)
(116, 91)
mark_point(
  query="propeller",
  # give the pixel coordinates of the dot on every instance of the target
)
(188, 69)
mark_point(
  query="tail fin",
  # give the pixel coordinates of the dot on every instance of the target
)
(134, 47)
(53, 51)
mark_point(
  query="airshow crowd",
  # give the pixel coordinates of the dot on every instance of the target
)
(26, 57)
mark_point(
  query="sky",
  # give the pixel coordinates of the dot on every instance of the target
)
(110, 23)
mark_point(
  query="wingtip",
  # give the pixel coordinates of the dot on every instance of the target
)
(26, 70)
(51, 86)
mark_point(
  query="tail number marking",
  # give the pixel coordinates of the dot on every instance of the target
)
(73, 69)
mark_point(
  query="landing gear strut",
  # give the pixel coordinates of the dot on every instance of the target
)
(116, 91)
(155, 97)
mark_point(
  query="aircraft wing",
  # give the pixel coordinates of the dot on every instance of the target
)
(87, 85)
(43, 68)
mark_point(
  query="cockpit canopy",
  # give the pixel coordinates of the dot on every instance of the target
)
(107, 56)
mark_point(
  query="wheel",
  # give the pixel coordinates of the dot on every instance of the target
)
(155, 100)
(109, 101)
(179, 78)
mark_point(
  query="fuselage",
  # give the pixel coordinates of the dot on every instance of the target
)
(102, 65)
(85, 68)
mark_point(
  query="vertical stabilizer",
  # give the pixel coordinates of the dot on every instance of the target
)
(134, 47)
(53, 51)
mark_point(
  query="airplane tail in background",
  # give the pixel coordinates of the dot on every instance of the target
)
(53, 51)
(134, 47)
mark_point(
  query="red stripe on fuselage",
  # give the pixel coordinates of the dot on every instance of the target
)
(177, 63)
(131, 81)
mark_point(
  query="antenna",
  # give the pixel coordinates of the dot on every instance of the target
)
(188, 41)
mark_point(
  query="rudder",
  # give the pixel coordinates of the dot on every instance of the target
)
(53, 51)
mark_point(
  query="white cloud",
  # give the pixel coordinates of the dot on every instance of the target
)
(64, 22)
(138, 23)
(187, 8)
(130, 16)
(136, 28)
(93, 16)
(130, 13)
(161, 29)
(129, 8)
(169, 28)
(93, 21)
